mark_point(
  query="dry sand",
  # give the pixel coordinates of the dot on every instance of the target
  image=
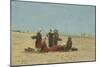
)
(86, 50)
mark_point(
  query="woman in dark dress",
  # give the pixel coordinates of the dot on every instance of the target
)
(56, 37)
(50, 36)
(69, 43)
(38, 42)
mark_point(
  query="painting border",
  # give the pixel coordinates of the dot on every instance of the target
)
(46, 3)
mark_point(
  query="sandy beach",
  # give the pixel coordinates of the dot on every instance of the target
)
(20, 41)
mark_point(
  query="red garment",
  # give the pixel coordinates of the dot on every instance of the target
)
(38, 44)
(45, 50)
(54, 48)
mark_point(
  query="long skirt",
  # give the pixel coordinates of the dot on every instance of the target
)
(38, 44)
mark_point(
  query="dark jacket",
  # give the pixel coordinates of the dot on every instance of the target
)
(50, 39)
(56, 38)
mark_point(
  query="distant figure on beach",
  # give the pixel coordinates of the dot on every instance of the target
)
(50, 36)
(38, 42)
(69, 43)
(56, 37)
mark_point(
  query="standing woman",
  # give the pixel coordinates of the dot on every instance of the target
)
(56, 37)
(38, 42)
(50, 36)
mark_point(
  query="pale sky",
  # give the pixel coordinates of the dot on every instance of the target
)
(73, 19)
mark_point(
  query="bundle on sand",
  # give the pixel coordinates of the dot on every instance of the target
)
(29, 49)
(33, 37)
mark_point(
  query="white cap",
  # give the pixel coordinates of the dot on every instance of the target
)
(51, 30)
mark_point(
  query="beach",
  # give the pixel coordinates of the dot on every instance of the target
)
(21, 40)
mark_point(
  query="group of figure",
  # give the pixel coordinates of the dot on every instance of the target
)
(53, 38)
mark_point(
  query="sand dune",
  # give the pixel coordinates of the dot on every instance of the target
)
(86, 50)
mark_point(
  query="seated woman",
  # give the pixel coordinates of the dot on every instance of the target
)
(69, 43)
(66, 46)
